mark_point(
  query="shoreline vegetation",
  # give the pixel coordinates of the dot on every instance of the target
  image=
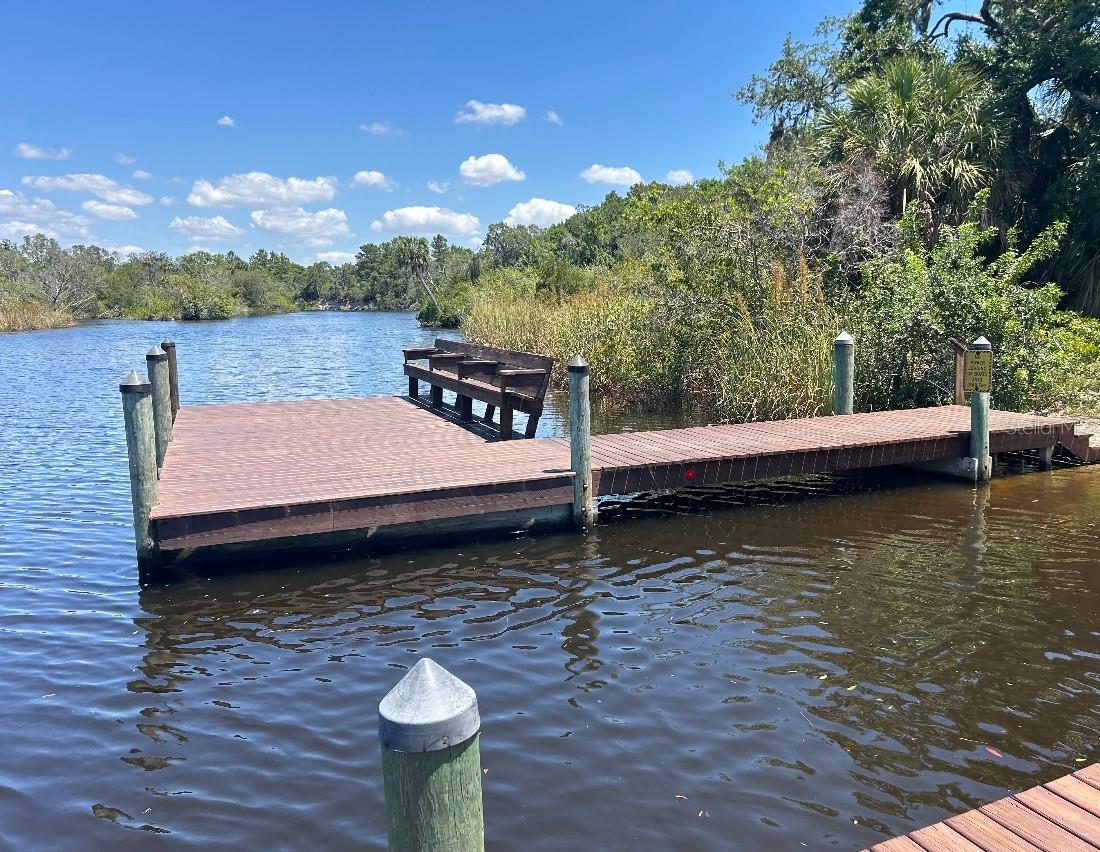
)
(912, 191)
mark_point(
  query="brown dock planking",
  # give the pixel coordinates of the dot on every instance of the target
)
(1061, 816)
(251, 472)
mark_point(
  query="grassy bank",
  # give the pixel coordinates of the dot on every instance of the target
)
(763, 349)
(31, 316)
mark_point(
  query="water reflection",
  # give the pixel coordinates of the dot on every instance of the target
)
(843, 669)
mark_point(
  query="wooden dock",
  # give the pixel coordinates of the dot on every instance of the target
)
(349, 470)
(1061, 816)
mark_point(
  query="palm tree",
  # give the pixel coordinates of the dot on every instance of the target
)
(927, 124)
(412, 256)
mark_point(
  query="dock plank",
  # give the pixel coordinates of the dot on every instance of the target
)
(1060, 816)
(242, 472)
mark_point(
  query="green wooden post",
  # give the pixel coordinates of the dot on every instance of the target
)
(169, 346)
(844, 368)
(979, 422)
(157, 361)
(429, 727)
(580, 442)
(137, 410)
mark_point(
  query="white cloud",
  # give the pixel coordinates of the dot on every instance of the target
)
(477, 112)
(201, 228)
(553, 117)
(427, 220)
(27, 151)
(141, 174)
(226, 121)
(20, 216)
(125, 251)
(125, 159)
(619, 175)
(381, 128)
(489, 169)
(167, 200)
(679, 177)
(255, 188)
(316, 228)
(438, 187)
(111, 212)
(98, 185)
(539, 211)
(373, 180)
(335, 257)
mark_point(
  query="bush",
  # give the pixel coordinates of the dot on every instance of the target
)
(915, 299)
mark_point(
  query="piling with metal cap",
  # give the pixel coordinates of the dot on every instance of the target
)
(580, 442)
(169, 346)
(429, 727)
(137, 410)
(979, 421)
(157, 361)
(844, 369)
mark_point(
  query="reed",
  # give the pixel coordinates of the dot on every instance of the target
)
(30, 316)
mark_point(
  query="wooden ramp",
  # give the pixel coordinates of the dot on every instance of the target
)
(283, 471)
(1062, 816)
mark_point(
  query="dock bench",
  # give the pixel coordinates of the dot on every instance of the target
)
(503, 379)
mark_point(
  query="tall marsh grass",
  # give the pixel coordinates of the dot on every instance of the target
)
(28, 316)
(741, 357)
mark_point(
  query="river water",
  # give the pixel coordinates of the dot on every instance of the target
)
(817, 666)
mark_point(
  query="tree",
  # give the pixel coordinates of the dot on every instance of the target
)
(60, 279)
(412, 255)
(927, 125)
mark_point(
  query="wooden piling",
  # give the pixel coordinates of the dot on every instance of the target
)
(960, 365)
(979, 422)
(844, 356)
(137, 410)
(157, 362)
(580, 442)
(169, 346)
(429, 727)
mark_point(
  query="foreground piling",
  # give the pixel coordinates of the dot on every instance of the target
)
(169, 346)
(844, 369)
(157, 361)
(580, 442)
(979, 419)
(429, 727)
(137, 410)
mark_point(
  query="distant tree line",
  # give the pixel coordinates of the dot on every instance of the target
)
(89, 282)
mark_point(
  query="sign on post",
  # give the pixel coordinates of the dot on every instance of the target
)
(978, 371)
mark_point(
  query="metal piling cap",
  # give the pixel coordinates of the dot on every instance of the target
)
(156, 354)
(135, 383)
(167, 344)
(578, 365)
(428, 710)
(844, 339)
(981, 343)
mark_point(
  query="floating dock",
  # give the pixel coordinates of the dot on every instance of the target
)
(346, 470)
(1061, 816)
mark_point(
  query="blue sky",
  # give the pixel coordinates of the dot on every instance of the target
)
(166, 126)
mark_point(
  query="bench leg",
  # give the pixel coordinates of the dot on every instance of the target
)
(414, 387)
(505, 423)
(490, 410)
(465, 408)
(532, 424)
(437, 396)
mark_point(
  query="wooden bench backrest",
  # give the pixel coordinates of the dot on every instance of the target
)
(510, 357)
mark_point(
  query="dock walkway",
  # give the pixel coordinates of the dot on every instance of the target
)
(1062, 816)
(238, 474)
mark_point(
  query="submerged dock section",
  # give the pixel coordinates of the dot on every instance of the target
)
(382, 469)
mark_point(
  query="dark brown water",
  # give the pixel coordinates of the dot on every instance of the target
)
(816, 674)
